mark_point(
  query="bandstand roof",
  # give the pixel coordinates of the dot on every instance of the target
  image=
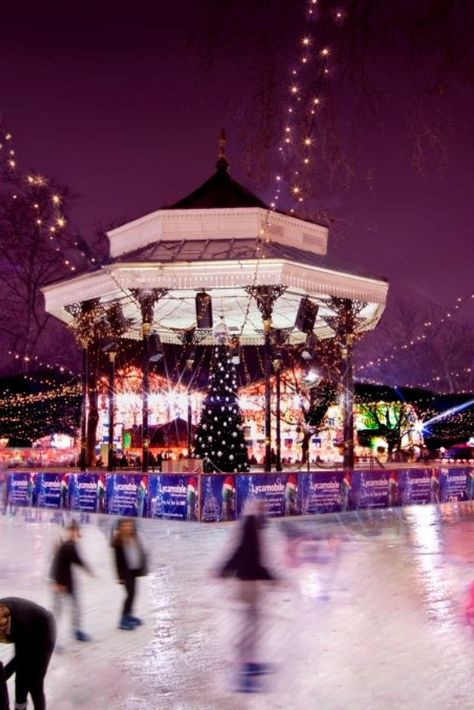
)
(221, 238)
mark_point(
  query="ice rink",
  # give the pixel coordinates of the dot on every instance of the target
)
(369, 614)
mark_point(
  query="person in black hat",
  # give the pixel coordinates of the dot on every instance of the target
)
(65, 558)
(33, 631)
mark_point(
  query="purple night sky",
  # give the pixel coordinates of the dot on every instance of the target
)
(117, 107)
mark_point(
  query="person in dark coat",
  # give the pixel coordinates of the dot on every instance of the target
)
(130, 563)
(65, 558)
(245, 564)
(4, 702)
(33, 631)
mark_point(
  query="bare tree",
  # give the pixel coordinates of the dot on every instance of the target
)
(419, 344)
(390, 67)
(36, 247)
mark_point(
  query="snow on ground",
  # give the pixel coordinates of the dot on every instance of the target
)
(368, 615)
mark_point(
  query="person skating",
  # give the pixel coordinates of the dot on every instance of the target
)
(32, 630)
(66, 556)
(245, 564)
(130, 563)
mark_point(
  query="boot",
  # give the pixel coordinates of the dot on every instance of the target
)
(126, 624)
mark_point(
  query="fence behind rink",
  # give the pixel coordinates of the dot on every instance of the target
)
(221, 497)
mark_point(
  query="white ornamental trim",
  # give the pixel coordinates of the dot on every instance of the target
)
(312, 280)
(238, 223)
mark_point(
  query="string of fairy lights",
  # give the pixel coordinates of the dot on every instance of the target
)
(303, 106)
(429, 327)
(44, 199)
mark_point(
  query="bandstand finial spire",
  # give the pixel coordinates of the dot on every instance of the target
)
(222, 162)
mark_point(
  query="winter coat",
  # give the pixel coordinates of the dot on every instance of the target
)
(33, 631)
(61, 571)
(124, 572)
(245, 563)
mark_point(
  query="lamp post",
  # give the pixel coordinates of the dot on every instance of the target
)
(344, 324)
(265, 297)
(277, 363)
(146, 299)
(348, 404)
(83, 451)
(146, 327)
(189, 364)
(112, 355)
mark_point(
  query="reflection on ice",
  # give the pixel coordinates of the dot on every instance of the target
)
(425, 526)
(364, 616)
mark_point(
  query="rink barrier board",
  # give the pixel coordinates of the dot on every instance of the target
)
(222, 497)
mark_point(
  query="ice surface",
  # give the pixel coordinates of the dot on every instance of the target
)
(369, 615)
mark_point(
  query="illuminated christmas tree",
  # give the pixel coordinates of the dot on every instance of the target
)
(219, 438)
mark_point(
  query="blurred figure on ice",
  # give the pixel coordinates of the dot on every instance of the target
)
(228, 498)
(191, 499)
(130, 562)
(141, 497)
(33, 631)
(100, 503)
(66, 556)
(393, 499)
(64, 504)
(470, 484)
(30, 490)
(291, 495)
(3, 495)
(245, 564)
(434, 487)
(344, 490)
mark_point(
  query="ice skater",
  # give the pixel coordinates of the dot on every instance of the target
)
(345, 491)
(33, 631)
(66, 556)
(130, 562)
(434, 487)
(245, 564)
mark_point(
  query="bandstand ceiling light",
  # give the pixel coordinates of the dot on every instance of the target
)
(309, 347)
(155, 348)
(117, 320)
(306, 316)
(235, 352)
(277, 360)
(203, 310)
(191, 358)
(109, 346)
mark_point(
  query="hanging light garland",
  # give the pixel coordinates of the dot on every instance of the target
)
(297, 143)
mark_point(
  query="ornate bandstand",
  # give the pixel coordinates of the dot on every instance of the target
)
(219, 259)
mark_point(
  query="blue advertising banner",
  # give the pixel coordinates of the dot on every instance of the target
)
(48, 490)
(370, 489)
(416, 486)
(173, 496)
(21, 489)
(218, 498)
(469, 485)
(222, 497)
(278, 490)
(127, 494)
(456, 483)
(87, 492)
(319, 492)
